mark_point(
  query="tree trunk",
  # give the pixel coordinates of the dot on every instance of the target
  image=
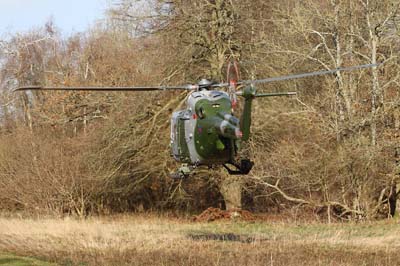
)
(397, 206)
(392, 200)
(375, 92)
(231, 189)
(342, 103)
(27, 112)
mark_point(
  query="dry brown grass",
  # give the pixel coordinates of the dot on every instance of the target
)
(135, 240)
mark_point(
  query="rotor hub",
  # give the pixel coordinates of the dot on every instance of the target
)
(205, 83)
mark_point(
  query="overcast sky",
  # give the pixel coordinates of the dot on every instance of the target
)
(69, 15)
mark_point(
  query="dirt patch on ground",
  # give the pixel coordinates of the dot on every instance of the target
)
(215, 214)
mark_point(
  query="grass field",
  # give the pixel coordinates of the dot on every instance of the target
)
(138, 240)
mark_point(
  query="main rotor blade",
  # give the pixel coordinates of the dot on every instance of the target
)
(297, 76)
(271, 94)
(304, 75)
(276, 94)
(156, 88)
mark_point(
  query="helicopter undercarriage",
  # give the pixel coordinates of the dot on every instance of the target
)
(243, 167)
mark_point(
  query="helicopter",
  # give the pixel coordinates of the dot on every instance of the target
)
(207, 132)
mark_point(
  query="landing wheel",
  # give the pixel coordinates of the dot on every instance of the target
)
(243, 168)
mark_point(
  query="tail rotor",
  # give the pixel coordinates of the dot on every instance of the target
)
(232, 78)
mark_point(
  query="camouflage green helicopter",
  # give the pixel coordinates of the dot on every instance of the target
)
(207, 132)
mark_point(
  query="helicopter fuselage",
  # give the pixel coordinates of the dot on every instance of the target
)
(207, 132)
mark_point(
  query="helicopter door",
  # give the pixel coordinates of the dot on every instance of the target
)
(175, 135)
(179, 147)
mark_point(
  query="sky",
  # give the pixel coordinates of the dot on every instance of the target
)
(70, 16)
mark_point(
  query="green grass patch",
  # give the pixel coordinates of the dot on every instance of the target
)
(11, 260)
